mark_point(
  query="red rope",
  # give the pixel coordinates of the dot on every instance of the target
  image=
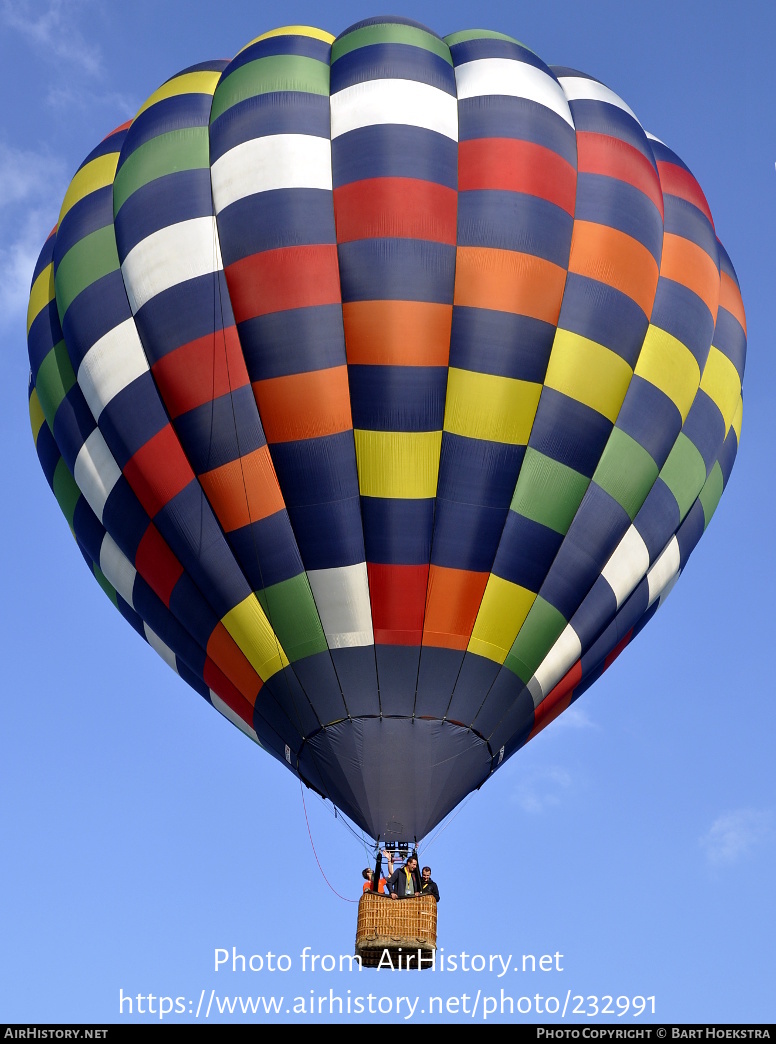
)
(317, 860)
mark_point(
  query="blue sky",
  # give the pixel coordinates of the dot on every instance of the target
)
(636, 836)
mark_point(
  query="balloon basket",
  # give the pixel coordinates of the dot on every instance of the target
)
(396, 933)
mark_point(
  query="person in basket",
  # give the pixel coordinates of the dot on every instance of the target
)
(404, 882)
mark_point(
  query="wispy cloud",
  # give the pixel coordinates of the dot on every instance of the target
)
(53, 29)
(53, 32)
(71, 98)
(574, 717)
(27, 174)
(733, 835)
(542, 789)
(29, 182)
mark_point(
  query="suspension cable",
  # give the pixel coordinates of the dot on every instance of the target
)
(317, 860)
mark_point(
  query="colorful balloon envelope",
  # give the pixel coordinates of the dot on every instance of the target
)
(386, 383)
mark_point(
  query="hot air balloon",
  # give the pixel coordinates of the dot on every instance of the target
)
(387, 383)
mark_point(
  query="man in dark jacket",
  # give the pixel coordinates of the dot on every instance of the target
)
(404, 882)
(427, 886)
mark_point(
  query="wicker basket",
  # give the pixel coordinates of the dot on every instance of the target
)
(396, 933)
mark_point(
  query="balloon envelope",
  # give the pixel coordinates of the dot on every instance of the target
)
(387, 383)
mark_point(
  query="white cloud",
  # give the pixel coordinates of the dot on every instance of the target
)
(542, 789)
(26, 174)
(17, 261)
(732, 836)
(32, 184)
(53, 30)
(574, 717)
(72, 98)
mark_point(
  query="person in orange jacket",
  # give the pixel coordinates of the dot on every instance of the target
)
(368, 876)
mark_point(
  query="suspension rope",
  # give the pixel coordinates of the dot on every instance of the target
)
(312, 845)
(443, 826)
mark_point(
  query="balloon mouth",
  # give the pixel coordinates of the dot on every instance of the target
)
(432, 766)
